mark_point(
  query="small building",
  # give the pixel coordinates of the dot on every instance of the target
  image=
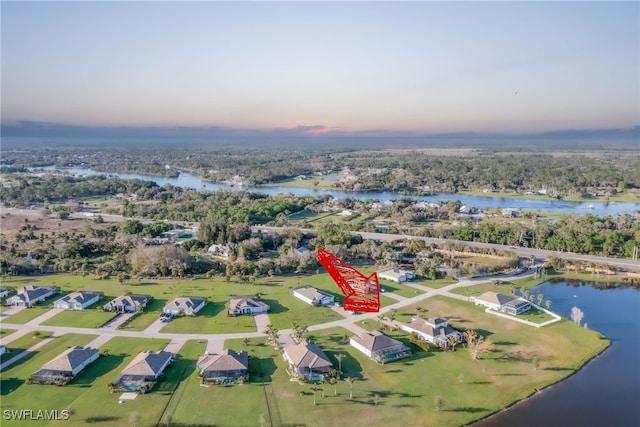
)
(229, 367)
(313, 296)
(143, 371)
(185, 306)
(504, 303)
(78, 300)
(380, 347)
(63, 368)
(396, 275)
(174, 234)
(247, 305)
(4, 291)
(434, 330)
(3, 349)
(129, 303)
(219, 250)
(307, 361)
(27, 296)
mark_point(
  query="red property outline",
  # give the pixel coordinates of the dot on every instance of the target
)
(360, 293)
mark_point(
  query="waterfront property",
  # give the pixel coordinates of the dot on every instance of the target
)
(27, 296)
(185, 306)
(247, 305)
(63, 368)
(313, 296)
(143, 371)
(396, 275)
(434, 330)
(129, 303)
(307, 361)
(78, 300)
(229, 367)
(380, 346)
(504, 303)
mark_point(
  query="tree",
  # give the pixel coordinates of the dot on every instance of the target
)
(420, 311)
(477, 344)
(576, 315)
(340, 356)
(540, 298)
(548, 304)
(439, 401)
(350, 380)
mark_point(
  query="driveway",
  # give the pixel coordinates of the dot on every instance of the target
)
(12, 310)
(46, 316)
(119, 320)
(25, 353)
(262, 320)
(14, 336)
(155, 326)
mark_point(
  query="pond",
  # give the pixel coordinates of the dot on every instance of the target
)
(605, 392)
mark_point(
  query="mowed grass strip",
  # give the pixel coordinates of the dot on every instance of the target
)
(28, 314)
(88, 318)
(23, 343)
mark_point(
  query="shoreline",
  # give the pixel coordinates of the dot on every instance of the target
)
(538, 391)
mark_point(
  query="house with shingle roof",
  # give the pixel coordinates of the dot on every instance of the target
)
(380, 346)
(228, 367)
(247, 305)
(66, 366)
(30, 295)
(434, 330)
(4, 291)
(307, 361)
(78, 300)
(504, 303)
(313, 296)
(143, 371)
(129, 303)
(187, 306)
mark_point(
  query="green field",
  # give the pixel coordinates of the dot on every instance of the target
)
(23, 343)
(88, 318)
(27, 314)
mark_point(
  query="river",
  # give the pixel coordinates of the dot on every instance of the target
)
(605, 392)
(187, 180)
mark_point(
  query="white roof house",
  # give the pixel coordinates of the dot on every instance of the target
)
(435, 330)
(502, 302)
(313, 296)
(396, 275)
(247, 305)
(78, 300)
(185, 305)
(29, 295)
(380, 346)
(128, 303)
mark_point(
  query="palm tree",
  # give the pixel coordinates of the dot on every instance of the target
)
(340, 356)
(350, 380)
(322, 382)
(548, 304)
(540, 298)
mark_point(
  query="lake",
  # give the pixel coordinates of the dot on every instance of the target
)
(187, 180)
(606, 391)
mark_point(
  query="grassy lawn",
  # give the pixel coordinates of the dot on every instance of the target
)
(482, 260)
(89, 318)
(16, 394)
(435, 284)
(400, 289)
(23, 343)
(212, 319)
(28, 314)
(4, 332)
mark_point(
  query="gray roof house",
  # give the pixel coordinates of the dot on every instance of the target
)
(502, 303)
(129, 303)
(434, 330)
(185, 305)
(379, 346)
(143, 371)
(4, 291)
(307, 361)
(247, 305)
(313, 296)
(66, 366)
(3, 349)
(224, 368)
(78, 300)
(29, 295)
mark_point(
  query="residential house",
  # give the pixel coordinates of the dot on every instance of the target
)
(307, 361)
(128, 303)
(188, 306)
(66, 366)
(143, 371)
(219, 250)
(504, 303)
(379, 346)
(434, 330)
(228, 367)
(4, 291)
(30, 295)
(247, 305)
(313, 296)
(78, 300)
(396, 275)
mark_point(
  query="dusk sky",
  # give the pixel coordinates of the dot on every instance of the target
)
(339, 67)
